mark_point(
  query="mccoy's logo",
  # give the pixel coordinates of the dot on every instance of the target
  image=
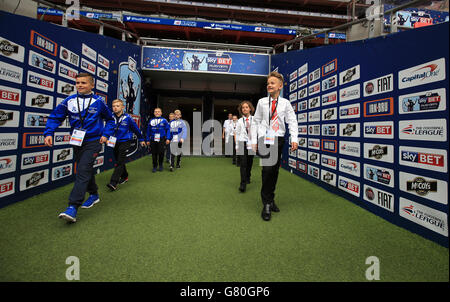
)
(421, 186)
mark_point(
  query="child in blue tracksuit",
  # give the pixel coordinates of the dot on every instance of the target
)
(121, 140)
(87, 113)
(178, 132)
(158, 135)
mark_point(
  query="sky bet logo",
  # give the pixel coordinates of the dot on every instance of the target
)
(40, 81)
(423, 158)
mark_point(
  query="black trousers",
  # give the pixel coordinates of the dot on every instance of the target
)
(246, 164)
(158, 149)
(172, 156)
(85, 156)
(120, 154)
(270, 175)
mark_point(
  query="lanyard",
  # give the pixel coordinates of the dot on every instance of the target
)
(79, 111)
(118, 122)
(270, 108)
(249, 122)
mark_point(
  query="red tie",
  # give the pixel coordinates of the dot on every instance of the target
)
(274, 119)
(247, 125)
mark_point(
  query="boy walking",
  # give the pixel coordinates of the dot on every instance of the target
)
(121, 139)
(272, 112)
(158, 135)
(178, 133)
(86, 112)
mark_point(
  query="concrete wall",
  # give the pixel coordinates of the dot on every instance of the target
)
(20, 7)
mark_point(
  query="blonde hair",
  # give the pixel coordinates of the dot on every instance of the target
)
(177, 112)
(277, 75)
(117, 101)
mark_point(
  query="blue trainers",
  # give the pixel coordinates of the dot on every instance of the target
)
(69, 215)
(93, 199)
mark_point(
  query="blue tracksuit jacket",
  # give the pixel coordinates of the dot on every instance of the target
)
(178, 127)
(158, 125)
(93, 115)
(124, 127)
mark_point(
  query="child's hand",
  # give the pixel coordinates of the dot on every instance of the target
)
(167, 142)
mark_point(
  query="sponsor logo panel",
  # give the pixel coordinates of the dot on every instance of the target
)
(61, 155)
(69, 56)
(379, 107)
(61, 172)
(329, 130)
(329, 98)
(349, 75)
(429, 218)
(379, 85)
(88, 52)
(329, 145)
(35, 120)
(425, 101)
(328, 177)
(329, 83)
(329, 114)
(7, 186)
(330, 67)
(349, 129)
(10, 96)
(379, 129)
(425, 187)
(33, 180)
(11, 73)
(349, 185)
(379, 152)
(33, 160)
(39, 100)
(425, 73)
(8, 164)
(423, 130)
(313, 171)
(11, 50)
(328, 161)
(349, 111)
(43, 43)
(33, 140)
(379, 197)
(349, 93)
(350, 148)
(41, 62)
(380, 175)
(40, 81)
(350, 167)
(424, 158)
(9, 118)
(9, 141)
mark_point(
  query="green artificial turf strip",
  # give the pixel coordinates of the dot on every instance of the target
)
(194, 225)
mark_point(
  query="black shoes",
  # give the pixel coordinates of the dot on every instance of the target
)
(273, 207)
(171, 169)
(178, 166)
(266, 214)
(268, 208)
(242, 187)
(111, 187)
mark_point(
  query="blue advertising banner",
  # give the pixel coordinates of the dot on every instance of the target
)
(210, 25)
(373, 124)
(174, 22)
(175, 59)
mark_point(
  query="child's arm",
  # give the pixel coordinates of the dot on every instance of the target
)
(133, 127)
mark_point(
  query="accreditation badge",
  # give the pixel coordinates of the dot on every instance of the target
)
(77, 137)
(111, 142)
(157, 137)
(269, 138)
